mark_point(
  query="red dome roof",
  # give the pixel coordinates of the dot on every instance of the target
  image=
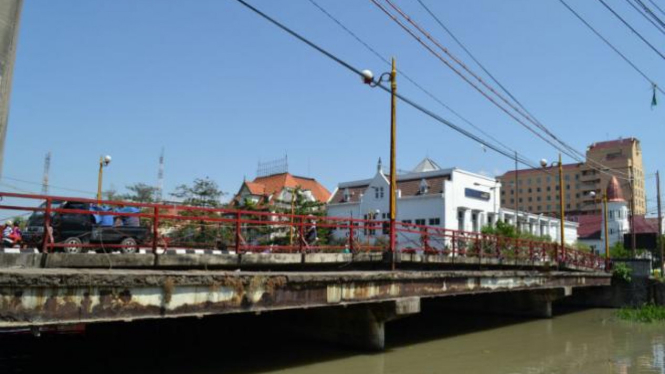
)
(614, 192)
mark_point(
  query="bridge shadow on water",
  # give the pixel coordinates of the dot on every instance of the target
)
(242, 344)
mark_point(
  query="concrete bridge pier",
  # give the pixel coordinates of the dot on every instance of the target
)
(535, 304)
(355, 326)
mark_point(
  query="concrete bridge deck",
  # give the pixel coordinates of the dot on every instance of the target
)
(35, 297)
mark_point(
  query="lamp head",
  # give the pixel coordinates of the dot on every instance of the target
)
(106, 160)
(592, 194)
(543, 163)
(368, 76)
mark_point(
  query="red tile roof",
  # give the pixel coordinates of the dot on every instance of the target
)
(645, 225)
(589, 225)
(273, 184)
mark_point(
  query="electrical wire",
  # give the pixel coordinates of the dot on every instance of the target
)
(643, 13)
(383, 86)
(493, 78)
(650, 12)
(50, 185)
(632, 29)
(657, 7)
(407, 77)
(626, 59)
(482, 82)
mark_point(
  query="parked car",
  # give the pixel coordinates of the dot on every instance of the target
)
(76, 229)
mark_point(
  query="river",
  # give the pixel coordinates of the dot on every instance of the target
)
(588, 341)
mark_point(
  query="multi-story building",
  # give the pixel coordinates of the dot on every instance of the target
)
(452, 199)
(537, 190)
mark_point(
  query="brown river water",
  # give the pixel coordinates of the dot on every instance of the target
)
(587, 341)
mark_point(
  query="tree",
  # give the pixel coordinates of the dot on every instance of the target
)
(203, 192)
(141, 193)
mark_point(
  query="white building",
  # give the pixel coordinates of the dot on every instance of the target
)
(452, 198)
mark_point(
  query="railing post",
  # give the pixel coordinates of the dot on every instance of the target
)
(479, 245)
(155, 232)
(351, 239)
(301, 233)
(454, 246)
(47, 226)
(531, 251)
(238, 226)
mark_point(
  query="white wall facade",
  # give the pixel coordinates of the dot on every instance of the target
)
(467, 202)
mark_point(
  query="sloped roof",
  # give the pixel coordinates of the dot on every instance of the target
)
(273, 184)
(614, 192)
(407, 187)
(255, 188)
(645, 225)
(426, 164)
(589, 225)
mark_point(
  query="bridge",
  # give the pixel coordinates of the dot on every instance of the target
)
(201, 262)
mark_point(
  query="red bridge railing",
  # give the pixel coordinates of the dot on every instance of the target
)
(168, 226)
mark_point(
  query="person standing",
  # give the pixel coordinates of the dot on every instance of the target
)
(7, 231)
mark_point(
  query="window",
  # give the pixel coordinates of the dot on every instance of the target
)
(520, 199)
(567, 187)
(503, 201)
(520, 190)
(530, 190)
(549, 198)
(512, 192)
(503, 192)
(549, 179)
(566, 177)
(538, 189)
(530, 199)
(538, 198)
(512, 201)
(539, 208)
(549, 188)
(567, 206)
(434, 221)
(577, 176)
(549, 207)
(407, 221)
(422, 221)
(528, 181)
(538, 180)
(530, 208)
(556, 187)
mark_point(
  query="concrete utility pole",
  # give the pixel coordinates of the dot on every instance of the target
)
(393, 171)
(660, 225)
(10, 16)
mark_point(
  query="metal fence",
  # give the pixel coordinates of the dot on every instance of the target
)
(72, 224)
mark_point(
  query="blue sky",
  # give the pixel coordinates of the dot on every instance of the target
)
(221, 89)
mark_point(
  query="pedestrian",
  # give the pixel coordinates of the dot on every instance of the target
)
(311, 235)
(17, 235)
(7, 232)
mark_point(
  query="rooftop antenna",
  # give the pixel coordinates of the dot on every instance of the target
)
(160, 176)
(47, 169)
(273, 167)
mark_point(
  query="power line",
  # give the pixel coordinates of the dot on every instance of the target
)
(650, 12)
(466, 79)
(657, 7)
(383, 86)
(50, 185)
(407, 77)
(538, 124)
(626, 59)
(646, 16)
(632, 29)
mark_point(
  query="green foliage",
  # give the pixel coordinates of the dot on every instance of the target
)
(140, 193)
(582, 247)
(621, 271)
(500, 229)
(203, 192)
(647, 313)
(618, 251)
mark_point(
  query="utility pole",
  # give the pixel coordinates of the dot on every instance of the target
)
(633, 241)
(660, 225)
(517, 196)
(45, 177)
(393, 171)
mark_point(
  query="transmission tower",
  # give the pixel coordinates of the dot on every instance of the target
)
(47, 168)
(160, 176)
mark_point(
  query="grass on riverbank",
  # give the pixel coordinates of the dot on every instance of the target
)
(647, 313)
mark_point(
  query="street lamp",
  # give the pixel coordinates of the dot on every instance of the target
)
(368, 78)
(103, 161)
(607, 242)
(544, 165)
